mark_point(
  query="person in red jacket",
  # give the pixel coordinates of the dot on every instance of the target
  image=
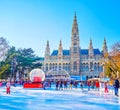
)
(97, 84)
(8, 87)
(106, 87)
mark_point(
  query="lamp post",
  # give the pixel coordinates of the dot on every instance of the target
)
(25, 73)
(103, 65)
(103, 70)
(13, 69)
(21, 68)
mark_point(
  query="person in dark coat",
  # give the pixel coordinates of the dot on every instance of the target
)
(61, 85)
(65, 85)
(57, 85)
(116, 86)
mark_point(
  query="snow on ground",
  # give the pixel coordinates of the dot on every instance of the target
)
(38, 99)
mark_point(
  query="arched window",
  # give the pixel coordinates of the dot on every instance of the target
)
(75, 66)
(46, 66)
(50, 66)
(55, 65)
(95, 66)
(69, 66)
(63, 65)
(75, 49)
(59, 65)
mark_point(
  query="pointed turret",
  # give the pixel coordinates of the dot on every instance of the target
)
(75, 26)
(47, 51)
(91, 52)
(60, 49)
(91, 55)
(90, 44)
(104, 48)
(75, 48)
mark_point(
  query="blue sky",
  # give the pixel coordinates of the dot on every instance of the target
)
(30, 23)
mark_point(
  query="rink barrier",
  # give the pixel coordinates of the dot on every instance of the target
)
(32, 85)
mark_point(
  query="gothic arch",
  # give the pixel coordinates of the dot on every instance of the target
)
(58, 73)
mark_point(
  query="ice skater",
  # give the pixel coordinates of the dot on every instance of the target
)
(116, 86)
(106, 87)
(8, 87)
(97, 84)
(71, 84)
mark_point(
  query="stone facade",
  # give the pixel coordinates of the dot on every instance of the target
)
(76, 61)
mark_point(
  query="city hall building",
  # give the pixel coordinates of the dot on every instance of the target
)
(75, 60)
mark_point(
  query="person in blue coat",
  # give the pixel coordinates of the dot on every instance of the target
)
(116, 86)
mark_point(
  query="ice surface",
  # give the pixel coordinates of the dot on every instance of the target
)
(38, 99)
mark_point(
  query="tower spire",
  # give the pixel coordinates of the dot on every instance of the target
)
(75, 14)
(104, 48)
(90, 44)
(47, 43)
(75, 25)
(60, 49)
(75, 37)
(47, 50)
(91, 48)
(75, 48)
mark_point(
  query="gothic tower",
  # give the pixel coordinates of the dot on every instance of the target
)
(91, 52)
(91, 56)
(104, 48)
(75, 49)
(60, 50)
(47, 51)
(47, 57)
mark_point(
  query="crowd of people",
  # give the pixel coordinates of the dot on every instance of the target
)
(69, 85)
(90, 85)
(64, 84)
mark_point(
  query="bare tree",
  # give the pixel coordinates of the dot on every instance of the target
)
(115, 49)
(3, 48)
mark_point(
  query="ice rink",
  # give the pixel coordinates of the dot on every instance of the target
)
(50, 99)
